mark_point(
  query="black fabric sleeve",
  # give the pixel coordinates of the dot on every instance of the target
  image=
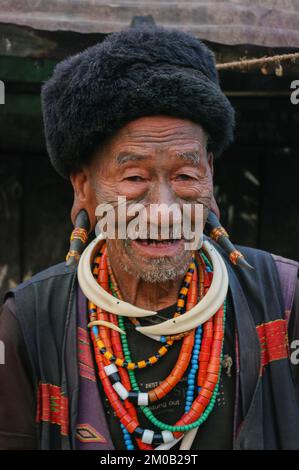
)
(17, 401)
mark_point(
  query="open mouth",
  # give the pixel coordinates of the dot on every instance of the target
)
(153, 247)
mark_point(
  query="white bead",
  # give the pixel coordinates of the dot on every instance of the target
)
(147, 436)
(111, 369)
(167, 436)
(142, 399)
(121, 390)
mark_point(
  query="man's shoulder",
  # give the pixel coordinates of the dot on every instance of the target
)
(52, 273)
(270, 266)
(56, 270)
(48, 292)
(258, 254)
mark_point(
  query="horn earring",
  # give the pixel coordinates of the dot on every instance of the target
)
(78, 238)
(218, 233)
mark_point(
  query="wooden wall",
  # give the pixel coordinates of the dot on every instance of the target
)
(35, 222)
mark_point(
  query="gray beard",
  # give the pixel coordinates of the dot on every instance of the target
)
(158, 273)
(157, 270)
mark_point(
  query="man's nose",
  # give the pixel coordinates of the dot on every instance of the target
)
(162, 207)
(161, 193)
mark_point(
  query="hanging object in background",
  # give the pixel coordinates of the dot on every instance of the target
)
(279, 70)
(214, 230)
(265, 64)
(78, 239)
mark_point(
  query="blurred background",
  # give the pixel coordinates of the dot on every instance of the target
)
(256, 180)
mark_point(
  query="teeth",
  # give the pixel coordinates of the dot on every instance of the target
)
(157, 242)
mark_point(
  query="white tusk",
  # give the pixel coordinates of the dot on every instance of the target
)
(188, 439)
(108, 324)
(155, 337)
(205, 309)
(96, 294)
(169, 445)
(199, 314)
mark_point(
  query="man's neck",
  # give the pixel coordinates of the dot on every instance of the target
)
(147, 295)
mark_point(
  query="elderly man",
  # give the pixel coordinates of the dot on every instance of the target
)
(147, 345)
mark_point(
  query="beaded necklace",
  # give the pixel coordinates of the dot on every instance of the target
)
(100, 269)
(203, 347)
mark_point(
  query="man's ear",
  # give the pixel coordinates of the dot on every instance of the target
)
(214, 205)
(211, 162)
(84, 197)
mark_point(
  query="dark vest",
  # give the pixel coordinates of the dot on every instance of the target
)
(266, 404)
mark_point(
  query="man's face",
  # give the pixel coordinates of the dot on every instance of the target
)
(153, 160)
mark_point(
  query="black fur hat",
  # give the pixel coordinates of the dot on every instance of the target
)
(137, 72)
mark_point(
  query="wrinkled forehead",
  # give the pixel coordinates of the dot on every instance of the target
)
(161, 129)
(157, 133)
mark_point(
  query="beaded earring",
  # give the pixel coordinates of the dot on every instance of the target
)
(214, 230)
(78, 238)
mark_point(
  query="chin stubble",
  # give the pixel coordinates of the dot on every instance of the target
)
(155, 270)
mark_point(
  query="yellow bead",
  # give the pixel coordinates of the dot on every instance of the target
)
(162, 350)
(131, 366)
(141, 364)
(108, 355)
(153, 360)
(119, 362)
(184, 290)
(180, 303)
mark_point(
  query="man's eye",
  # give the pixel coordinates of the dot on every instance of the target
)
(135, 178)
(184, 177)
